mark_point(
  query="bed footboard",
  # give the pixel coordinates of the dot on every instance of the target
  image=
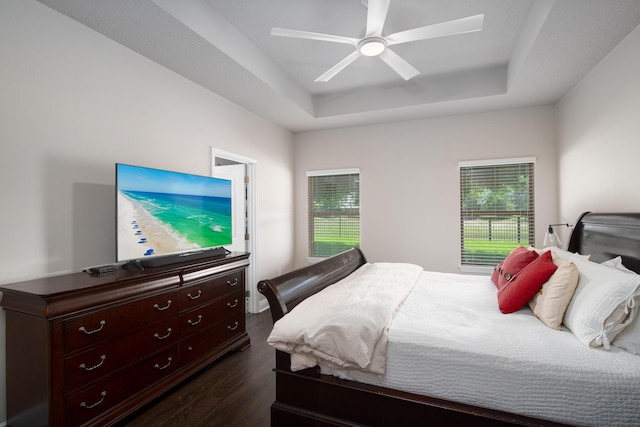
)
(286, 291)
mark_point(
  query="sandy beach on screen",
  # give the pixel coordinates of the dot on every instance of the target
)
(159, 238)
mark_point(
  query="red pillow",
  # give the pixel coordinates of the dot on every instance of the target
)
(496, 273)
(524, 285)
(518, 259)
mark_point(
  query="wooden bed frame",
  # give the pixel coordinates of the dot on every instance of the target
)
(308, 398)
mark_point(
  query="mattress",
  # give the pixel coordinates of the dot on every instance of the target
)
(449, 340)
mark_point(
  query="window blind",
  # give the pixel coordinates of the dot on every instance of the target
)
(334, 211)
(496, 209)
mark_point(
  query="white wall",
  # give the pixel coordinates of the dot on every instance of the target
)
(599, 136)
(72, 104)
(409, 188)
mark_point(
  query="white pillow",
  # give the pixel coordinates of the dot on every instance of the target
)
(617, 264)
(629, 339)
(562, 254)
(603, 303)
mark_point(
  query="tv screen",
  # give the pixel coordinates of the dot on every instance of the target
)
(159, 212)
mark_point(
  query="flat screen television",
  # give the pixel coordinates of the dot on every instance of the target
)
(161, 213)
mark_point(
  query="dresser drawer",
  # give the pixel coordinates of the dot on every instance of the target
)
(107, 358)
(199, 344)
(202, 291)
(202, 317)
(108, 323)
(93, 401)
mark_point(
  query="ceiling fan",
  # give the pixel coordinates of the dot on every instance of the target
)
(375, 44)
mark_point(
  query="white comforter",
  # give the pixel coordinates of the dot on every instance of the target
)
(332, 328)
(449, 340)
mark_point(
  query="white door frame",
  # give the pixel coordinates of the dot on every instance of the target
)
(252, 219)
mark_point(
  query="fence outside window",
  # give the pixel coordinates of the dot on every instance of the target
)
(333, 211)
(496, 209)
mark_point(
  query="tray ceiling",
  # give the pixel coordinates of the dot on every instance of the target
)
(530, 52)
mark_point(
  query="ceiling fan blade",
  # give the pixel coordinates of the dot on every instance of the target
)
(376, 15)
(399, 65)
(338, 67)
(283, 32)
(448, 28)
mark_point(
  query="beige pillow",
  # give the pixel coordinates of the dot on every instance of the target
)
(550, 303)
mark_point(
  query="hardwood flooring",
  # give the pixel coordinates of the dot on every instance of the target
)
(236, 390)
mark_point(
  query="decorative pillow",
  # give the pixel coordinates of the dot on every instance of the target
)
(518, 259)
(496, 273)
(525, 284)
(617, 264)
(550, 303)
(603, 303)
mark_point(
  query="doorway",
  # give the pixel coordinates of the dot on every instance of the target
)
(236, 173)
(241, 171)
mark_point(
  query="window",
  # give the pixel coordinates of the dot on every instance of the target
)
(334, 211)
(496, 209)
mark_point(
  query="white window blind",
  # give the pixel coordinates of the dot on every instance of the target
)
(496, 209)
(334, 211)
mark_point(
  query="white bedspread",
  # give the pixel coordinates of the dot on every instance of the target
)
(449, 340)
(333, 328)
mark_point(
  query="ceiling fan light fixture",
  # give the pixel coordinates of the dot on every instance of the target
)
(372, 46)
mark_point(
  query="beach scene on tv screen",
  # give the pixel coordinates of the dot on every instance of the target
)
(161, 212)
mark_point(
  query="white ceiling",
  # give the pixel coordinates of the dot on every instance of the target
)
(530, 52)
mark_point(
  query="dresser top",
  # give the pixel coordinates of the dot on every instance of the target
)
(59, 294)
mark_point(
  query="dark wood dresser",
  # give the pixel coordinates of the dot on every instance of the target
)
(90, 349)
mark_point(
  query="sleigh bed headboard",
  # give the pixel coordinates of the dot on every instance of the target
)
(607, 235)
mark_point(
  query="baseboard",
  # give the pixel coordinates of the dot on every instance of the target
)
(262, 306)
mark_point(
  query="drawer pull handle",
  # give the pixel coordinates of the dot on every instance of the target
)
(157, 366)
(87, 406)
(234, 327)
(235, 282)
(164, 336)
(235, 304)
(195, 322)
(83, 329)
(157, 307)
(191, 297)
(102, 359)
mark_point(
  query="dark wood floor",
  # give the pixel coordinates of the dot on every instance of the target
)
(236, 390)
